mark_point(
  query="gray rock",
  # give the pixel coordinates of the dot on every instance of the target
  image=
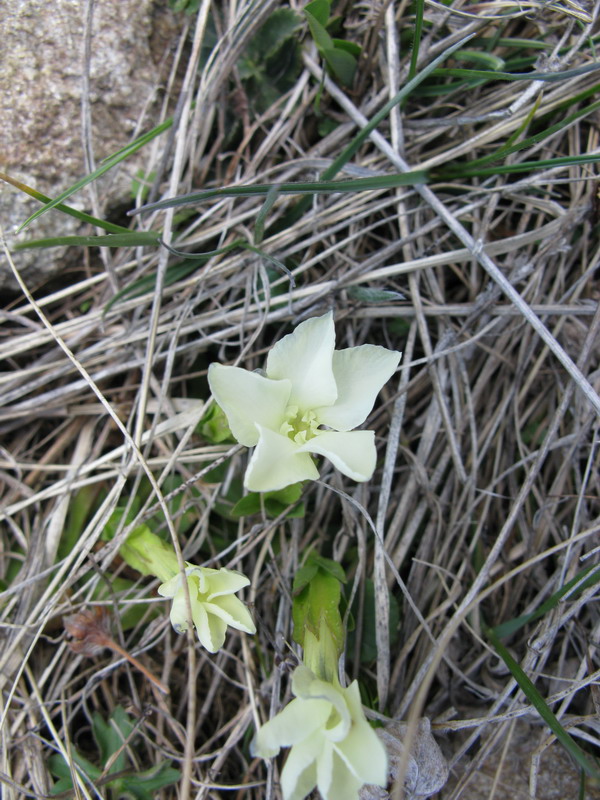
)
(427, 770)
(41, 85)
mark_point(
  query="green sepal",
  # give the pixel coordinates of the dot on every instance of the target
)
(143, 550)
(315, 607)
(214, 426)
(274, 503)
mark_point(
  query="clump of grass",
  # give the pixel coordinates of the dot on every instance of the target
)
(465, 233)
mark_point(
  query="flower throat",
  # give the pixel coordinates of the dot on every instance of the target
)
(299, 426)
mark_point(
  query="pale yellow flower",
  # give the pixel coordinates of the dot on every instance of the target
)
(333, 746)
(213, 603)
(309, 401)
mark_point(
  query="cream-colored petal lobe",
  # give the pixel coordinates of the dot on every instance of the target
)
(277, 462)
(298, 783)
(211, 629)
(352, 452)
(305, 358)
(297, 721)
(171, 587)
(360, 373)
(299, 774)
(232, 611)
(336, 782)
(225, 581)
(306, 685)
(362, 751)
(248, 398)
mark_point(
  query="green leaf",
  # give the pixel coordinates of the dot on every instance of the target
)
(320, 10)
(350, 47)
(79, 511)
(131, 239)
(144, 785)
(538, 702)
(275, 503)
(322, 39)
(304, 576)
(549, 77)
(59, 767)
(487, 60)
(582, 583)
(72, 212)
(317, 604)
(281, 25)
(214, 426)
(110, 736)
(310, 187)
(365, 295)
(106, 165)
(342, 64)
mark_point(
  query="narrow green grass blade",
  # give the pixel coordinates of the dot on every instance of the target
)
(72, 212)
(350, 150)
(310, 188)
(325, 185)
(538, 137)
(416, 42)
(549, 77)
(105, 166)
(513, 625)
(130, 239)
(540, 705)
(242, 244)
(452, 173)
(487, 60)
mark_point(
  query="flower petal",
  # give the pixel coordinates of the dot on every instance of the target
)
(336, 781)
(224, 581)
(352, 452)
(360, 373)
(299, 774)
(362, 751)
(248, 398)
(305, 358)
(211, 629)
(307, 686)
(232, 611)
(277, 462)
(171, 587)
(297, 721)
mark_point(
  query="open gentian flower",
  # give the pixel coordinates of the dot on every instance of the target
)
(308, 384)
(333, 746)
(214, 606)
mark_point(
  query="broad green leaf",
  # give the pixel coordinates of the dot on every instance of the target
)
(319, 9)
(322, 38)
(110, 736)
(341, 63)
(275, 503)
(144, 785)
(350, 47)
